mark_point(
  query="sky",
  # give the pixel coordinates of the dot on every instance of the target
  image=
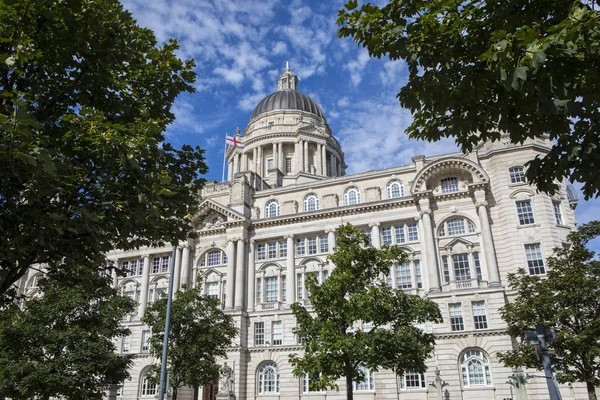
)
(241, 47)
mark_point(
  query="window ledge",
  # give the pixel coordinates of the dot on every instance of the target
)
(528, 226)
(511, 185)
(475, 388)
(564, 226)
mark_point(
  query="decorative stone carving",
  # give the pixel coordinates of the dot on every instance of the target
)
(226, 379)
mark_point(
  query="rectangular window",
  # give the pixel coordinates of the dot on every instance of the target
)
(368, 233)
(214, 258)
(479, 315)
(126, 344)
(133, 268)
(449, 184)
(413, 233)
(277, 333)
(283, 248)
(261, 251)
(259, 333)
(272, 250)
(403, 276)
(456, 317)
(367, 383)
(446, 269)
(386, 234)
(535, 261)
(145, 340)
(325, 275)
(269, 164)
(418, 274)
(165, 264)
(400, 237)
(557, 212)
(477, 265)
(323, 244)
(212, 290)
(312, 245)
(306, 382)
(288, 165)
(517, 175)
(140, 267)
(283, 288)
(412, 380)
(271, 289)
(456, 227)
(259, 298)
(299, 285)
(300, 247)
(156, 265)
(525, 212)
(462, 270)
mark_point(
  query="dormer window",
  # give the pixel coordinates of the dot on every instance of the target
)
(449, 184)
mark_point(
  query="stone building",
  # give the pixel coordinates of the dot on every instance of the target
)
(466, 221)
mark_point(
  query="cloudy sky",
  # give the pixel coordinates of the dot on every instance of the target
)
(240, 48)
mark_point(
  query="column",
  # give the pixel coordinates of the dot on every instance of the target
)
(281, 161)
(240, 274)
(275, 157)
(177, 272)
(301, 155)
(236, 163)
(185, 266)
(306, 166)
(244, 162)
(324, 159)
(251, 278)
(319, 161)
(375, 237)
(115, 278)
(230, 274)
(432, 264)
(290, 271)
(331, 239)
(331, 164)
(254, 156)
(488, 241)
(229, 170)
(259, 168)
(144, 290)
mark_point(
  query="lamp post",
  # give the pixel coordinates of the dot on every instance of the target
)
(163, 364)
(540, 337)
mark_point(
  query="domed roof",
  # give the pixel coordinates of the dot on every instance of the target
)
(288, 99)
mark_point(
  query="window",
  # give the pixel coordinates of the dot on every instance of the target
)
(288, 165)
(479, 315)
(517, 175)
(132, 267)
(462, 270)
(276, 333)
(403, 276)
(351, 196)
(311, 202)
(323, 244)
(386, 234)
(475, 368)
(418, 274)
(212, 290)
(145, 340)
(456, 317)
(400, 236)
(312, 245)
(367, 383)
(126, 344)
(261, 251)
(395, 189)
(156, 265)
(259, 333)
(271, 291)
(300, 285)
(446, 269)
(272, 209)
(268, 378)
(306, 382)
(283, 248)
(456, 226)
(557, 212)
(477, 265)
(213, 258)
(269, 160)
(259, 290)
(412, 380)
(165, 264)
(535, 261)
(413, 234)
(449, 184)
(272, 250)
(367, 232)
(300, 249)
(148, 388)
(525, 212)
(283, 288)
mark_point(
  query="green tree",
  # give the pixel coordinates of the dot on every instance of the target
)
(61, 343)
(355, 292)
(85, 97)
(200, 333)
(568, 298)
(477, 69)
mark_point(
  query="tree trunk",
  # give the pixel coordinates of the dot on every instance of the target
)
(195, 393)
(591, 391)
(349, 389)
(174, 393)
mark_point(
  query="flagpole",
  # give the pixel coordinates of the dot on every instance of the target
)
(224, 155)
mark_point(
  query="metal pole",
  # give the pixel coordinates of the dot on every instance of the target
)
(163, 363)
(552, 389)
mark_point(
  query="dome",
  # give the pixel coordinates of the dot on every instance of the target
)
(288, 99)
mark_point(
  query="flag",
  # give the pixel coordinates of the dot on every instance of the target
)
(233, 141)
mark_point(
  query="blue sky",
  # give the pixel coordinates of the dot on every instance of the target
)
(241, 47)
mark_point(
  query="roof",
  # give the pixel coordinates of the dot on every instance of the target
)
(288, 99)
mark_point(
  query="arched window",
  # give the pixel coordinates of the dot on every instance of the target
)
(272, 209)
(367, 383)
(449, 184)
(456, 227)
(213, 258)
(351, 196)
(148, 388)
(268, 378)
(475, 368)
(311, 202)
(395, 189)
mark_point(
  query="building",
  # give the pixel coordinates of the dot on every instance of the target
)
(466, 220)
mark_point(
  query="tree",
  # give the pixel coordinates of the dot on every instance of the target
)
(568, 298)
(61, 343)
(200, 332)
(85, 97)
(479, 69)
(354, 292)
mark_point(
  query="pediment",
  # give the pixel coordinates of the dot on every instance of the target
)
(458, 242)
(212, 215)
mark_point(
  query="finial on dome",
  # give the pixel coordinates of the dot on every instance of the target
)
(237, 132)
(287, 80)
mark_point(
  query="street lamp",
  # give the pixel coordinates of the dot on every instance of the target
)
(539, 338)
(163, 364)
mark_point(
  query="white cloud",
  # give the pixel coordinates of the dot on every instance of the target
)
(280, 48)
(250, 100)
(231, 76)
(357, 66)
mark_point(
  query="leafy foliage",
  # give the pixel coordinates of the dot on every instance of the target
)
(480, 68)
(85, 96)
(567, 299)
(61, 343)
(200, 332)
(353, 293)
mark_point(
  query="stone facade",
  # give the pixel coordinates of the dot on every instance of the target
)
(273, 221)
